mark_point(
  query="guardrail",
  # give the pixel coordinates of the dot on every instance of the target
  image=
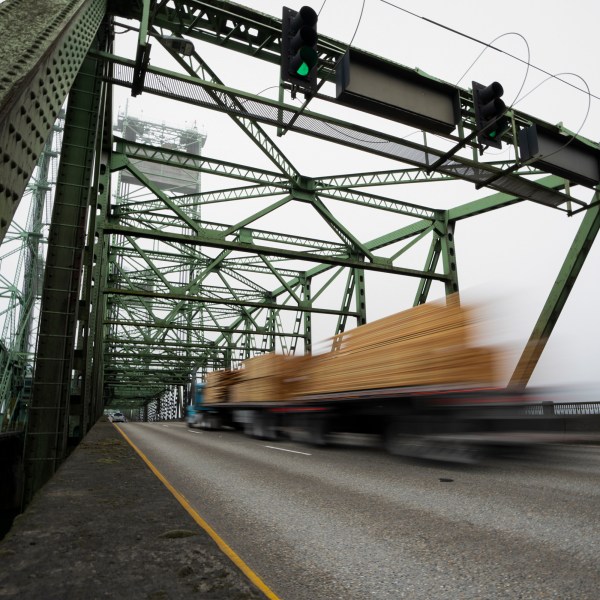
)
(577, 408)
(563, 409)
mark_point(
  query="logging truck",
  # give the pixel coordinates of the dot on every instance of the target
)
(416, 380)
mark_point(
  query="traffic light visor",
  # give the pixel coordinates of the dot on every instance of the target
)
(305, 17)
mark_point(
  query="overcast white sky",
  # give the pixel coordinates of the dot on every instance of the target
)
(509, 257)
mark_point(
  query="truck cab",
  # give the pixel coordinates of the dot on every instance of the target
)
(194, 410)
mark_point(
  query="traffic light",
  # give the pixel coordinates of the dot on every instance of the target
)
(299, 55)
(489, 113)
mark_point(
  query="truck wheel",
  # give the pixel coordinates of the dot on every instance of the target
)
(310, 430)
(317, 431)
(399, 443)
(263, 427)
(211, 422)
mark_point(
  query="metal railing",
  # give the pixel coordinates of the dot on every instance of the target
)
(562, 409)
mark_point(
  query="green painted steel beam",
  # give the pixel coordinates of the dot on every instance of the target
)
(500, 200)
(469, 209)
(355, 246)
(229, 26)
(91, 369)
(236, 227)
(243, 193)
(210, 300)
(49, 408)
(380, 202)
(431, 262)
(189, 201)
(401, 176)
(245, 121)
(113, 226)
(184, 327)
(559, 294)
(244, 30)
(219, 230)
(147, 182)
(201, 164)
(449, 259)
(284, 284)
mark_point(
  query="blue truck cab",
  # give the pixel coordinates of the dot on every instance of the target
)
(194, 410)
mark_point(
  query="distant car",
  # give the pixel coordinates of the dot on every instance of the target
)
(118, 418)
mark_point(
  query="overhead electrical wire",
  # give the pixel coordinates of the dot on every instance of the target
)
(587, 112)
(490, 46)
(322, 5)
(478, 41)
(517, 99)
(362, 10)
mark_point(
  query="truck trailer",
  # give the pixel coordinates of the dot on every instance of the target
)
(416, 380)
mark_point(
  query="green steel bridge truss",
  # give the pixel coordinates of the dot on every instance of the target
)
(143, 289)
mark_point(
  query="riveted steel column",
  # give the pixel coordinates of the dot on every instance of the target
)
(50, 408)
(307, 296)
(361, 296)
(449, 259)
(94, 301)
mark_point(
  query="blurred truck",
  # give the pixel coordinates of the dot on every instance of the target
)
(193, 414)
(416, 379)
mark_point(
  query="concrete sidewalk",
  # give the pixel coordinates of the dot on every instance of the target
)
(106, 527)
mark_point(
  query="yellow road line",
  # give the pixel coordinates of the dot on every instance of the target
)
(225, 548)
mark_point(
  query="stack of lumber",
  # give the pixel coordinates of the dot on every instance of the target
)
(270, 378)
(429, 344)
(218, 385)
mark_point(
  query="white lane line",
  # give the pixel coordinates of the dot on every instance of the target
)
(165, 425)
(286, 450)
(192, 431)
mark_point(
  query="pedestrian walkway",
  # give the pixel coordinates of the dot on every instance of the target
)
(106, 527)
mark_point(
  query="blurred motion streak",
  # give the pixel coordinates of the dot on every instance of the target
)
(415, 379)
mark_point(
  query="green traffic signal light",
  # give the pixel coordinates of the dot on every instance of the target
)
(304, 61)
(490, 110)
(299, 55)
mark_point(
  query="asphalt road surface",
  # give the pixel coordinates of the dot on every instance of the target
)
(354, 523)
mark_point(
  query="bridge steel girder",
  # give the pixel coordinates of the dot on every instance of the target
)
(559, 294)
(50, 407)
(200, 239)
(43, 47)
